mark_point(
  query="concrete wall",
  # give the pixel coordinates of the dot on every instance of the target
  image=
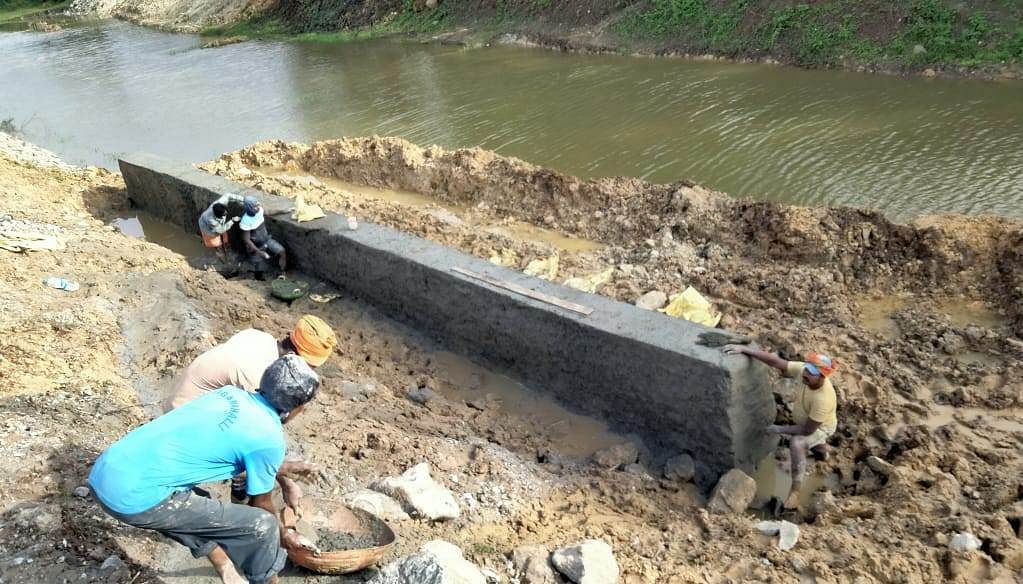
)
(640, 371)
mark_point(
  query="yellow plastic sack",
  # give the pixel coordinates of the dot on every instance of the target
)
(591, 283)
(544, 269)
(303, 212)
(506, 258)
(691, 305)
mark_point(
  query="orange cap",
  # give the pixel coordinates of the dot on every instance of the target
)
(313, 339)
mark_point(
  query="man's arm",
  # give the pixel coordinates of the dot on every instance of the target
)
(769, 359)
(290, 539)
(251, 247)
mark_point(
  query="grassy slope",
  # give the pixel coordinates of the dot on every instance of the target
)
(17, 9)
(900, 34)
(912, 33)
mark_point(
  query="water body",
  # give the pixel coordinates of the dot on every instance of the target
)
(905, 146)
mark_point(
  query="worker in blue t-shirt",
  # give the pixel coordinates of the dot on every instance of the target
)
(146, 478)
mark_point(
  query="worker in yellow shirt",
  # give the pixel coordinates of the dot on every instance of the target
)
(814, 409)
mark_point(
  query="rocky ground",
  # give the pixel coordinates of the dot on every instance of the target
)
(922, 316)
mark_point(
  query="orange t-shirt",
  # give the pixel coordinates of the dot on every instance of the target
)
(240, 361)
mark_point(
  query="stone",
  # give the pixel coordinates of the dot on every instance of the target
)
(112, 564)
(437, 562)
(880, 465)
(822, 502)
(680, 468)
(919, 50)
(588, 562)
(733, 493)
(652, 300)
(616, 456)
(81, 492)
(377, 441)
(421, 395)
(964, 542)
(43, 518)
(376, 503)
(356, 391)
(787, 532)
(531, 564)
(419, 494)
(635, 469)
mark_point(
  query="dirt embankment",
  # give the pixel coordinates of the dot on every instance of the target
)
(182, 15)
(72, 366)
(924, 316)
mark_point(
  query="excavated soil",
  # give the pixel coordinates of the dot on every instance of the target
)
(929, 383)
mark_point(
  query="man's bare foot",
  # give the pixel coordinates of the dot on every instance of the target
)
(792, 502)
(225, 568)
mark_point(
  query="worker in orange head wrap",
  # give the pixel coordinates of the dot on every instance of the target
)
(240, 361)
(814, 410)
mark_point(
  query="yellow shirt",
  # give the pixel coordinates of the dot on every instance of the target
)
(820, 405)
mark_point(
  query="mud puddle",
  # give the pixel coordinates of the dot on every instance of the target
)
(144, 226)
(455, 213)
(964, 313)
(876, 314)
(774, 481)
(575, 435)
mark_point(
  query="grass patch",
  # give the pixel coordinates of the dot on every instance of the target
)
(19, 9)
(829, 32)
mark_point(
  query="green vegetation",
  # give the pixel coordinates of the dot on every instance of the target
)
(828, 32)
(18, 9)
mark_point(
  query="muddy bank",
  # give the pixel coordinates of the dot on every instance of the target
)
(934, 395)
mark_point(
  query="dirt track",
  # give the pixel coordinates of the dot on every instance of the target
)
(933, 396)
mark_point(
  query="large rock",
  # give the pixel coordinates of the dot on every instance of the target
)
(787, 532)
(680, 468)
(437, 562)
(376, 503)
(733, 493)
(532, 565)
(652, 300)
(616, 456)
(419, 494)
(588, 562)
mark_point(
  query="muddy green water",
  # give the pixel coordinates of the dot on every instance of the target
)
(905, 146)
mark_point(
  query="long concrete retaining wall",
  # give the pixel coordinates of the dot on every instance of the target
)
(640, 371)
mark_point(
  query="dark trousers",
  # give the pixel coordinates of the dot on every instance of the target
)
(250, 536)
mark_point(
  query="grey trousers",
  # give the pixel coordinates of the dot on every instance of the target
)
(250, 536)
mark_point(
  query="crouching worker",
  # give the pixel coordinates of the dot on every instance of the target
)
(240, 361)
(814, 411)
(260, 247)
(214, 224)
(147, 478)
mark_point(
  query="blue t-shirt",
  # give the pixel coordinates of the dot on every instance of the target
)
(211, 438)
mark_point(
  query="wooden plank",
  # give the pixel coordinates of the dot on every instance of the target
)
(547, 298)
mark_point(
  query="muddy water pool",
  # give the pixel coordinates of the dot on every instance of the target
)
(905, 146)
